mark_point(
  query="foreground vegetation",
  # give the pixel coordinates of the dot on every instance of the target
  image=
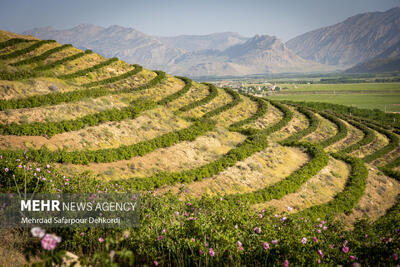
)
(212, 230)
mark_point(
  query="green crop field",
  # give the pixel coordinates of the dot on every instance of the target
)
(384, 102)
(224, 179)
(341, 87)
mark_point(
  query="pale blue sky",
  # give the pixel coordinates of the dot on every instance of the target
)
(285, 19)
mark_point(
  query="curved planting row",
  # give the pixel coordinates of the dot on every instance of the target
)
(388, 169)
(235, 100)
(41, 57)
(25, 50)
(255, 142)
(312, 126)
(369, 137)
(213, 92)
(115, 78)
(73, 96)
(15, 41)
(342, 130)
(91, 69)
(290, 184)
(347, 199)
(261, 111)
(61, 61)
(115, 154)
(51, 128)
(393, 143)
(168, 99)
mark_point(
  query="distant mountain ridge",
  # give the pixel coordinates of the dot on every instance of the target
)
(370, 38)
(355, 40)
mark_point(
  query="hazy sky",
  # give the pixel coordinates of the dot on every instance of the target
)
(285, 18)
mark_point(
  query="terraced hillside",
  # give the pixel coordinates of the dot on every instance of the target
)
(224, 178)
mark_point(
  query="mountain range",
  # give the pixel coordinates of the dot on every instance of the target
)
(366, 42)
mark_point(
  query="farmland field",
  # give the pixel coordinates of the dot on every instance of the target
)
(224, 178)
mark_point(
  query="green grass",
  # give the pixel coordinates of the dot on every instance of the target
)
(390, 102)
(341, 87)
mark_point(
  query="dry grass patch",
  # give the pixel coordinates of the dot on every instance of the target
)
(272, 116)
(324, 130)
(243, 110)
(62, 54)
(379, 142)
(182, 156)
(15, 47)
(381, 193)
(67, 111)
(320, 189)
(299, 122)
(114, 69)
(26, 88)
(221, 99)
(196, 92)
(353, 136)
(258, 171)
(87, 61)
(148, 125)
(38, 51)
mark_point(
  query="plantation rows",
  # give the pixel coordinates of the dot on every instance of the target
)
(231, 214)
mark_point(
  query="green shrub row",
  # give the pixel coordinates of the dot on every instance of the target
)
(14, 41)
(347, 199)
(62, 61)
(369, 136)
(16, 75)
(312, 126)
(262, 108)
(73, 96)
(374, 115)
(42, 56)
(255, 142)
(91, 69)
(341, 126)
(25, 50)
(123, 152)
(168, 99)
(213, 92)
(290, 184)
(125, 75)
(51, 128)
(393, 143)
(235, 100)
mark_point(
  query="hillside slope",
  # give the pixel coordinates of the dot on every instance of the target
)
(352, 41)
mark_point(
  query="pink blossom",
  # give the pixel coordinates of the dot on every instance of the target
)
(345, 249)
(319, 261)
(286, 263)
(236, 226)
(20, 166)
(155, 263)
(289, 208)
(266, 245)
(160, 237)
(239, 244)
(101, 240)
(315, 239)
(49, 242)
(82, 233)
(260, 216)
(320, 253)
(395, 256)
(193, 240)
(274, 242)
(38, 232)
(345, 243)
(304, 240)
(353, 258)
(211, 252)
(6, 169)
(257, 230)
(164, 230)
(201, 252)
(319, 231)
